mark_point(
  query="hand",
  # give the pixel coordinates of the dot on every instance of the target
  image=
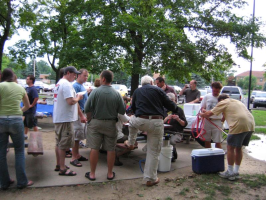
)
(89, 90)
(79, 96)
(169, 117)
(131, 147)
(83, 119)
(31, 106)
(176, 117)
(203, 110)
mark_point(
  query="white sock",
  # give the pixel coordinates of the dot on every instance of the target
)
(230, 169)
(236, 168)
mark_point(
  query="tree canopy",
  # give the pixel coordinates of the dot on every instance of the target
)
(174, 37)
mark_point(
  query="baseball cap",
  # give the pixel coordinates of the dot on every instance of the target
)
(71, 69)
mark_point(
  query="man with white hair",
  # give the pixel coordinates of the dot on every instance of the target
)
(148, 104)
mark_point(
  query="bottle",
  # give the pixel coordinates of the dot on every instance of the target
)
(194, 112)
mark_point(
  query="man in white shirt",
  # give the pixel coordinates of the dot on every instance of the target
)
(64, 114)
(209, 102)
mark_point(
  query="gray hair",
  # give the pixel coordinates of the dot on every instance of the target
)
(171, 96)
(146, 80)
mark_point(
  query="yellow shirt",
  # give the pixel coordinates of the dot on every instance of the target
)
(236, 114)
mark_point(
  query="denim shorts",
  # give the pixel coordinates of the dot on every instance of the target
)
(239, 140)
(30, 120)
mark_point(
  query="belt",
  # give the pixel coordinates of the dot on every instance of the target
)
(11, 116)
(151, 116)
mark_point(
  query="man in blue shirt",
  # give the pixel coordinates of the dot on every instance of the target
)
(30, 120)
(79, 125)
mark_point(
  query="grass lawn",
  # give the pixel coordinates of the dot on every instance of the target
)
(260, 117)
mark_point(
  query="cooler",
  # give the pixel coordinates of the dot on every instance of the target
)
(210, 160)
(189, 107)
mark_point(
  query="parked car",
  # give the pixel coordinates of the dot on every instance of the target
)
(39, 85)
(253, 94)
(208, 89)
(122, 89)
(259, 100)
(202, 94)
(234, 92)
(48, 88)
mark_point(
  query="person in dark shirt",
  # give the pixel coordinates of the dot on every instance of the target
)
(191, 92)
(178, 121)
(30, 120)
(160, 82)
(148, 104)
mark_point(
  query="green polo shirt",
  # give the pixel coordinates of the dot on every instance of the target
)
(105, 103)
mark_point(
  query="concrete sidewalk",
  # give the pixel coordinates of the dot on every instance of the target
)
(41, 169)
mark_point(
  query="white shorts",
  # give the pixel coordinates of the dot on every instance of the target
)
(80, 130)
(212, 132)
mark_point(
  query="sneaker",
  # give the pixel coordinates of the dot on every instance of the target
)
(237, 175)
(227, 175)
(82, 145)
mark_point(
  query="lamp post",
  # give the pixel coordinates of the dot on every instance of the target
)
(251, 54)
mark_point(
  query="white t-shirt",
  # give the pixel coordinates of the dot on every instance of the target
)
(63, 112)
(119, 125)
(209, 102)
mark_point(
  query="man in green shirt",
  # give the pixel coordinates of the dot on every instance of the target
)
(103, 106)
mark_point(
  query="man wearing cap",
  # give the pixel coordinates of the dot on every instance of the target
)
(64, 114)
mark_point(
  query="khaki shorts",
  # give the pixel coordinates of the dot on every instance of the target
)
(102, 132)
(64, 135)
(212, 132)
(79, 129)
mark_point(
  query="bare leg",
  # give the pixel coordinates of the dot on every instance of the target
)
(218, 145)
(75, 151)
(230, 155)
(238, 155)
(110, 163)
(62, 155)
(35, 128)
(94, 156)
(207, 144)
(26, 130)
(57, 155)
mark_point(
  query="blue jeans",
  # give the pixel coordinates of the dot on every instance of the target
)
(14, 128)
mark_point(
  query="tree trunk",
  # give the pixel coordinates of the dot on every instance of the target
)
(6, 31)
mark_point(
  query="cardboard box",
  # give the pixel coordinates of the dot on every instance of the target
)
(189, 107)
(210, 160)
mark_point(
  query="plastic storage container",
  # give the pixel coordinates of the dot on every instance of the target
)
(209, 160)
(165, 159)
(191, 109)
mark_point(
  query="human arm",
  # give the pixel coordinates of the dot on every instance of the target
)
(26, 103)
(207, 114)
(74, 100)
(34, 102)
(182, 92)
(81, 115)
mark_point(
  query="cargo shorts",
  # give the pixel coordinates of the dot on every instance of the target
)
(64, 135)
(102, 132)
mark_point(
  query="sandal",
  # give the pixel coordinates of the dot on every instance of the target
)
(30, 183)
(76, 163)
(82, 158)
(64, 173)
(68, 154)
(57, 168)
(87, 175)
(111, 177)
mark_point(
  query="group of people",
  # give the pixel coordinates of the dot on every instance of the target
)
(102, 109)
